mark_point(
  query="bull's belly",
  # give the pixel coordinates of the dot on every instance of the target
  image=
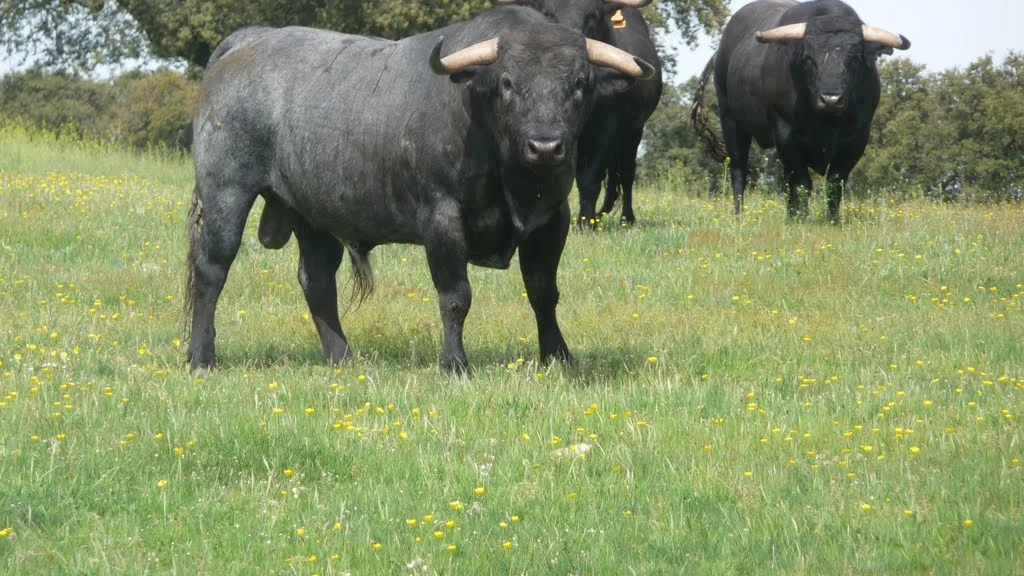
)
(491, 241)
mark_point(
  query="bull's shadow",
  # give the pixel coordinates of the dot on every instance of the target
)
(420, 353)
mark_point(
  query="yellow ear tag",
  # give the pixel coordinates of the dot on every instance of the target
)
(618, 20)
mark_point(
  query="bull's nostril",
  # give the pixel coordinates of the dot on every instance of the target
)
(831, 100)
(546, 150)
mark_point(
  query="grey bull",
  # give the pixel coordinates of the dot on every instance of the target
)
(354, 142)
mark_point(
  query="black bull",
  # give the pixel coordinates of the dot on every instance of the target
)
(612, 135)
(800, 77)
(355, 142)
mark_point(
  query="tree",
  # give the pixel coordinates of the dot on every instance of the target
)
(960, 128)
(82, 33)
(670, 144)
(60, 103)
(153, 109)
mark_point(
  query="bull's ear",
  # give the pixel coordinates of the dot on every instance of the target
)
(608, 82)
(464, 76)
(875, 49)
(479, 78)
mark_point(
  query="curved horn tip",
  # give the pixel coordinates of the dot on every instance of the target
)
(906, 43)
(646, 69)
(435, 58)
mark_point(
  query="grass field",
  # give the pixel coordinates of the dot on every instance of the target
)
(752, 396)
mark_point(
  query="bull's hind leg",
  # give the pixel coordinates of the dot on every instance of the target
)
(835, 185)
(627, 169)
(220, 228)
(320, 256)
(737, 144)
(589, 178)
(612, 190)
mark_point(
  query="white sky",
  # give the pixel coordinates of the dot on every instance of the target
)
(943, 33)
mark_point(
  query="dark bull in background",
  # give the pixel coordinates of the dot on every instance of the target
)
(355, 142)
(799, 77)
(611, 137)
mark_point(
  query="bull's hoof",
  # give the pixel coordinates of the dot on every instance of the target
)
(586, 223)
(201, 369)
(628, 220)
(454, 366)
(200, 364)
(561, 354)
(338, 355)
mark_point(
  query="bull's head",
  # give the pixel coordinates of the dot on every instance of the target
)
(538, 85)
(832, 55)
(588, 16)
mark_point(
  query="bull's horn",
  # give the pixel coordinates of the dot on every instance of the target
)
(886, 38)
(602, 54)
(481, 54)
(782, 33)
(633, 3)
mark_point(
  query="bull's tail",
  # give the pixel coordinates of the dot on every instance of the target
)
(713, 145)
(195, 228)
(362, 275)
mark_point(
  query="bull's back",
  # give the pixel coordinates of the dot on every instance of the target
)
(740, 66)
(312, 116)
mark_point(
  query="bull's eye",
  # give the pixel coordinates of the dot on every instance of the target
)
(581, 84)
(506, 84)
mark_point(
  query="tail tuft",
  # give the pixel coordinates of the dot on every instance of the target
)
(362, 274)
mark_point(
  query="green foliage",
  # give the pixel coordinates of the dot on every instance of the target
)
(963, 125)
(56, 102)
(140, 110)
(154, 109)
(669, 140)
(671, 146)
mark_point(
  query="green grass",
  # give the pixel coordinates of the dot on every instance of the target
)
(752, 396)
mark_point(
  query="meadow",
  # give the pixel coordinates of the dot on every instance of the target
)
(752, 395)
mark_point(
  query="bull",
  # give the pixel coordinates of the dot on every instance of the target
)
(611, 137)
(355, 142)
(800, 77)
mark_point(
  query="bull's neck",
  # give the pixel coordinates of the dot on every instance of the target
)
(532, 195)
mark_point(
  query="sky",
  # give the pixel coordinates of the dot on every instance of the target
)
(943, 33)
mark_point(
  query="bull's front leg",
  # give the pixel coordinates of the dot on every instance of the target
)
(447, 258)
(538, 260)
(835, 185)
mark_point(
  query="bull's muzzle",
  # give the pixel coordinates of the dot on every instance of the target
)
(828, 102)
(544, 151)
